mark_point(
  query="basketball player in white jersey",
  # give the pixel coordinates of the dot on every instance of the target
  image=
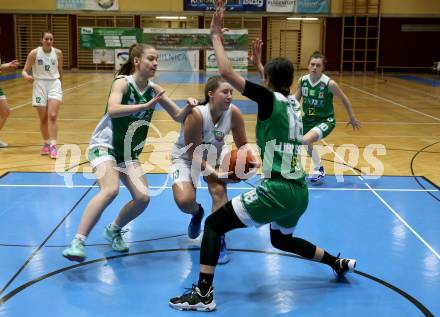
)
(4, 109)
(46, 62)
(206, 126)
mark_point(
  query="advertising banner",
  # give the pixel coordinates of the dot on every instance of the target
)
(312, 6)
(283, 6)
(239, 60)
(92, 38)
(103, 56)
(231, 5)
(193, 38)
(95, 5)
(178, 61)
(121, 56)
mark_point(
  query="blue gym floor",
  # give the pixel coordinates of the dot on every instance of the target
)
(390, 225)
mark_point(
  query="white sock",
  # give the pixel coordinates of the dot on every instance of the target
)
(316, 160)
(81, 237)
(114, 227)
(52, 142)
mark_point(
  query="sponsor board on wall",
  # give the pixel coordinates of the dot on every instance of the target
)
(193, 38)
(312, 6)
(238, 59)
(288, 6)
(95, 5)
(168, 60)
(103, 56)
(121, 56)
(231, 5)
(176, 60)
(93, 38)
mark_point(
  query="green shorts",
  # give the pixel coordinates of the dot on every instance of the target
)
(276, 201)
(323, 126)
(100, 154)
(2, 95)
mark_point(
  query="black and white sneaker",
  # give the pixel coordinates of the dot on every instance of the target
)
(343, 266)
(192, 299)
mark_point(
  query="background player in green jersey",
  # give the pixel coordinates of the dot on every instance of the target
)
(4, 109)
(282, 197)
(116, 144)
(317, 91)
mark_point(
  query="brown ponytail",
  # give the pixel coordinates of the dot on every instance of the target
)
(211, 85)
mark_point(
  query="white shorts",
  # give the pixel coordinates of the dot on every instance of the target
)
(45, 90)
(181, 172)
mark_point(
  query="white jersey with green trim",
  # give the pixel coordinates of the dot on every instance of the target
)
(213, 134)
(46, 65)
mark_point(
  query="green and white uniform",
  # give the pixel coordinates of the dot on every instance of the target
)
(213, 140)
(318, 113)
(123, 139)
(282, 196)
(47, 84)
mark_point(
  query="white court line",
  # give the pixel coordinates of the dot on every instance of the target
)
(393, 102)
(404, 222)
(388, 206)
(232, 188)
(64, 91)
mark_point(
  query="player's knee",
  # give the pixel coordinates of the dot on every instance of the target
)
(211, 224)
(53, 116)
(278, 239)
(110, 192)
(185, 204)
(142, 199)
(44, 120)
(218, 193)
(5, 112)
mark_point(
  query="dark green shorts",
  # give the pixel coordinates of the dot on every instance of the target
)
(276, 201)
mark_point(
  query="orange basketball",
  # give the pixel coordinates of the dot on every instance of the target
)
(239, 164)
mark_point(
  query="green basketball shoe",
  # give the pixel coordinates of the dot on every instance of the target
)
(115, 239)
(76, 251)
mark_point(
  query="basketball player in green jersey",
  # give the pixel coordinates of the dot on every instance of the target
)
(117, 142)
(317, 91)
(282, 197)
(4, 109)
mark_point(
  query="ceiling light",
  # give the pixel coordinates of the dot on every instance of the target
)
(303, 19)
(171, 18)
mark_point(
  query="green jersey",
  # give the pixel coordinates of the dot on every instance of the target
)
(126, 135)
(317, 98)
(278, 138)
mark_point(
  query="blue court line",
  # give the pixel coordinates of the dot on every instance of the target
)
(420, 80)
(10, 76)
